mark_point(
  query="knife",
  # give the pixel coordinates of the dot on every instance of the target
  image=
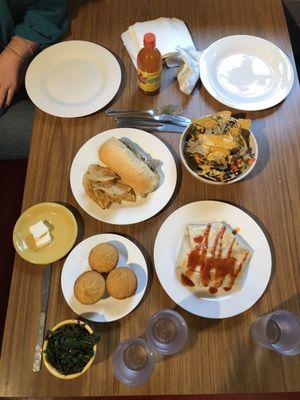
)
(155, 127)
(173, 119)
(45, 289)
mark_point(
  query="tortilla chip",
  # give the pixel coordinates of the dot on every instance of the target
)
(224, 116)
(244, 123)
(205, 122)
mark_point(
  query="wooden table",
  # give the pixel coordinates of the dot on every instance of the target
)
(219, 356)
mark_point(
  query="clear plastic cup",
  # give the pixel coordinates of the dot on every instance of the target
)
(133, 361)
(166, 332)
(278, 331)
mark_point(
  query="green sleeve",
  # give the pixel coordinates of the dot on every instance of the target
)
(44, 22)
(6, 24)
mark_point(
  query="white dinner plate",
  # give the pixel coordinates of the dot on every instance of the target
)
(108, 308)
(127, 212)
(255, 279)
(73, 79)
(246, 72)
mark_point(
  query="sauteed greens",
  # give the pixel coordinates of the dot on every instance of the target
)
(70, 348)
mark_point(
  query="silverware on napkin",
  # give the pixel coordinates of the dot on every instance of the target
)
(165, 118)
(45, 289)
(167, 109)
(151, 127)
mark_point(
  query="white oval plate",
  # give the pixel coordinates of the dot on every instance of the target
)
(73, 79)
(107, 309)
(167, 245)
(246, 72)
(127, 212)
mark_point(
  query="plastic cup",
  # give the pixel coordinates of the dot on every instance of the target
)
(278, 331)
(166, 332)
(133, 361)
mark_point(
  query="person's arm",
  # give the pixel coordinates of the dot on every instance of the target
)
(13, 62)
(44, 22)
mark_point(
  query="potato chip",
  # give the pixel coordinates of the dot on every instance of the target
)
(101, 174)
(104, 187)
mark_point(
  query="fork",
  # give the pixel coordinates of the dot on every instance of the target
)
(167, 109)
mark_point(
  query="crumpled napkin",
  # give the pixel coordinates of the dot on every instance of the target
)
(188, 72)
(175, 44)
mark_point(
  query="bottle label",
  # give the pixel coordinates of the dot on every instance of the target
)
(149, 81)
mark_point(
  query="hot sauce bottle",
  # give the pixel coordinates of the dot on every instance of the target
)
(149, 65)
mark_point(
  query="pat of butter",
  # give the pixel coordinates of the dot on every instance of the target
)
(39, 229)
(40, 233)
(43, 240)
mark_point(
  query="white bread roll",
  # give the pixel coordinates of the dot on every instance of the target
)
(133, 171)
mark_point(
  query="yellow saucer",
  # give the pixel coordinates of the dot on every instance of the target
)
(63, 232)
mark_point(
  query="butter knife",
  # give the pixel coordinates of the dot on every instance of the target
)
(45, 289)
(167, 118)
(152, 127)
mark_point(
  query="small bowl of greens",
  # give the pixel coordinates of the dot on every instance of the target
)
(69, 349)
(218, 149)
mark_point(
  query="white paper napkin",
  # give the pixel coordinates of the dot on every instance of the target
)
(170, 33)
(174, 43)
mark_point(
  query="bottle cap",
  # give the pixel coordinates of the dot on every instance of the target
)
(149, 40)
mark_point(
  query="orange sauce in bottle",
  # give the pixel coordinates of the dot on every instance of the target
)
(149, 66)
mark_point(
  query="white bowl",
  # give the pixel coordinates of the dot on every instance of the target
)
(254, 147)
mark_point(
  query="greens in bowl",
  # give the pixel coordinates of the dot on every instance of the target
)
(69, 348)
(219, 148)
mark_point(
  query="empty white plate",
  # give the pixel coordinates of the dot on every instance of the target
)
(246, 72)
(73, 79)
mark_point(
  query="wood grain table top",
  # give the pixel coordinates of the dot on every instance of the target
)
(219, 356)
